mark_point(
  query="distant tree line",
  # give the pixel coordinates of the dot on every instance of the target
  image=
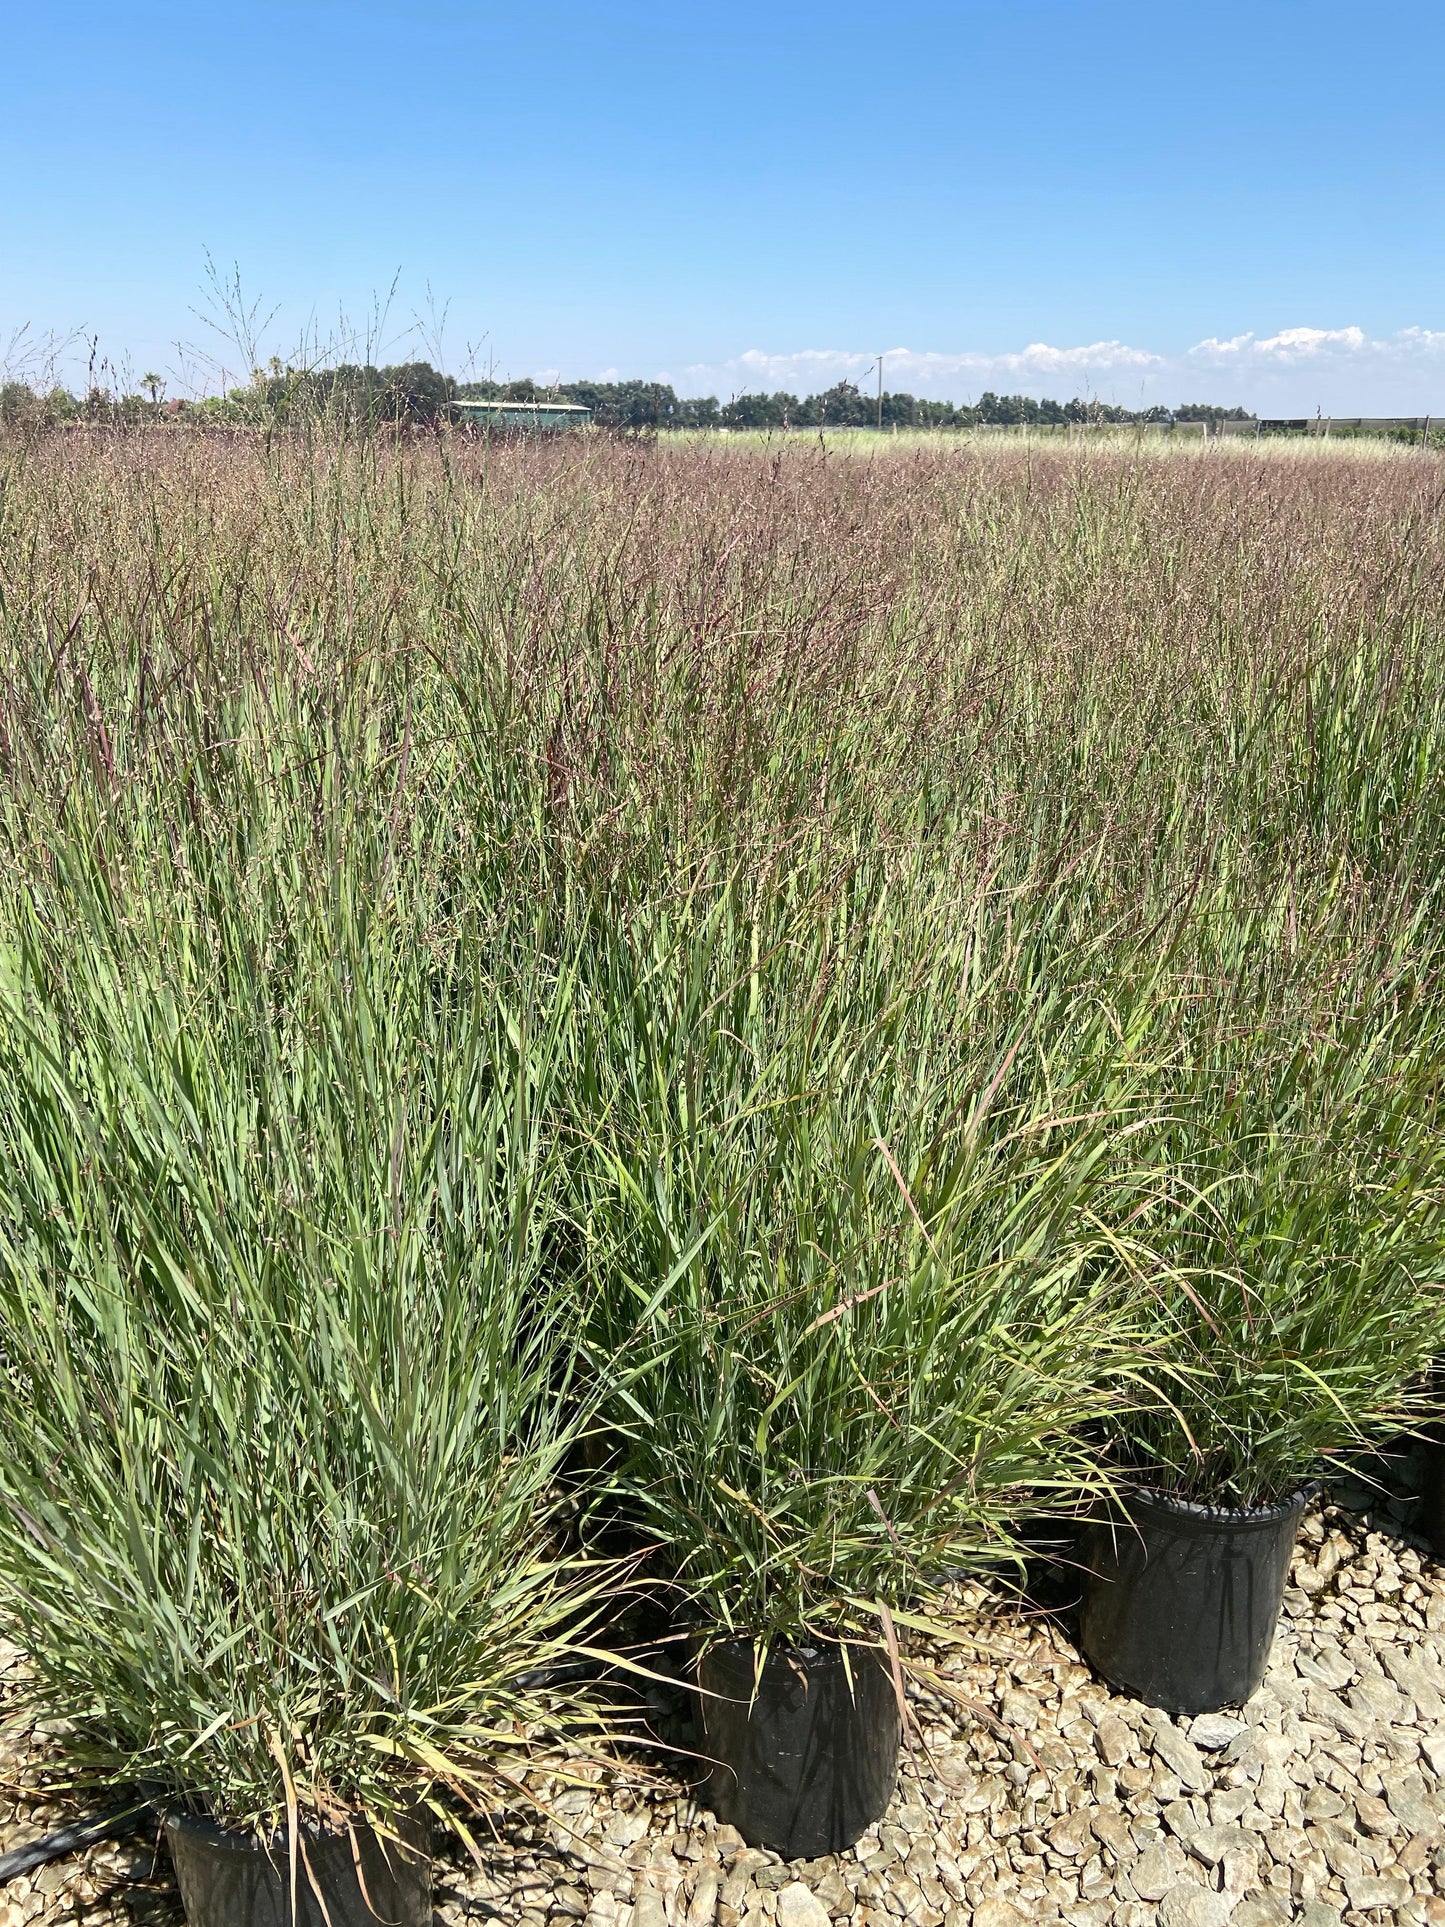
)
(411, 393)
(652, 404)
(635, 405)
(415, 394)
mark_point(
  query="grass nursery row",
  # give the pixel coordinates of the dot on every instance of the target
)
(787, 1012)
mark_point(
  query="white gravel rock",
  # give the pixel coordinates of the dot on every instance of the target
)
(1156, 1872)
(799, 1906)
(1195, 1907)
(1261, 1910)
(1215, 1731)
(1182, 1757)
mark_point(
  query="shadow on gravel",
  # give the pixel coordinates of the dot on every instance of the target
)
(1386, 1491)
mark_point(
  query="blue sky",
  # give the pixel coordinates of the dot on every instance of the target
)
(1170, 201)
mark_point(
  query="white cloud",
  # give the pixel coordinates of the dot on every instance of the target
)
(1040, 357)
(806, 370)
(1342, 370)
(1303, 344)
(1290, 344)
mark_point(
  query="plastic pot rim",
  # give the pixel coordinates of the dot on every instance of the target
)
(706, 1640)
(1221, 1517)
(214, 1833)
(826, 1652)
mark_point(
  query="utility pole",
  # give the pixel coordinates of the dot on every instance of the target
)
(880, 394)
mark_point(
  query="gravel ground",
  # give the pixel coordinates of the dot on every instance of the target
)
(1032, 1794)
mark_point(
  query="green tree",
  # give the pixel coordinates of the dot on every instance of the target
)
(17, 403)
(760, 411)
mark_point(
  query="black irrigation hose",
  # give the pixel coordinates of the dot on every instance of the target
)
(119, 1821)
(80, 1834)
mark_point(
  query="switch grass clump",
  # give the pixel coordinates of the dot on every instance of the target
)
(1295, 1223)
(287, 1377)
(853, 1280)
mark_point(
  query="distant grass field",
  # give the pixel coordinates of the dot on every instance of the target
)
(1107, 436)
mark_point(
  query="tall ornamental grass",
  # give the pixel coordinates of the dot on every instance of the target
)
(287, 1374)
(851, 1276)
(1295, 1227)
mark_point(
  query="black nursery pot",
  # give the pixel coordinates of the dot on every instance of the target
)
(1432, 1491)
(1181, 1601)
(809, 1762)
(230, 1879)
